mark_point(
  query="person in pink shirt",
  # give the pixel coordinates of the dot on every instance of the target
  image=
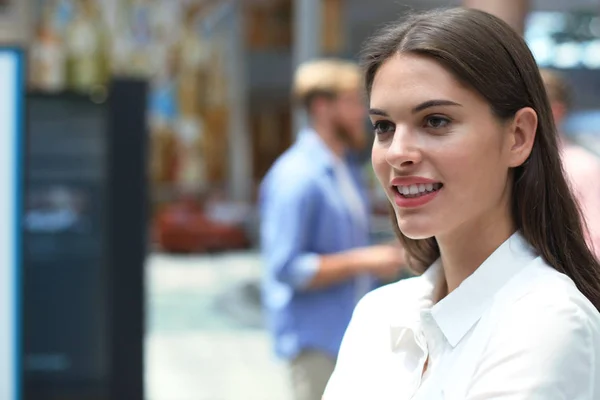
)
(581, 166)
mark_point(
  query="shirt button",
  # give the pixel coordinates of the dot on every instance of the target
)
(426, 316)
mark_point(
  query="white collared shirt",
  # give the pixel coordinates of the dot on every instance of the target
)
(516, 329)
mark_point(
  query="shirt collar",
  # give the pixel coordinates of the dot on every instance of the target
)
(319, 153)
(459, 311)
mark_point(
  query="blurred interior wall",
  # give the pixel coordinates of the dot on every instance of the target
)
(511, 11)
(240, 158)
(307, 43)
(319, 27)
(15, 22)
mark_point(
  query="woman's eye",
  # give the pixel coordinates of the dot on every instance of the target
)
(436, 122)
(383, 127)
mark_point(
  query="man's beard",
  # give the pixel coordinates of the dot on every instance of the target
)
(354, 140)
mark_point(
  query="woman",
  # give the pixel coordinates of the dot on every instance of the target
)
(466, 149)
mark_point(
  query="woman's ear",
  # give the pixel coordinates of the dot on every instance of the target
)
(522, 136)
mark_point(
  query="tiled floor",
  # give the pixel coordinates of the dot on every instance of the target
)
(203, 342)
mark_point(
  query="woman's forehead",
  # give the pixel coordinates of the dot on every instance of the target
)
(406, 80)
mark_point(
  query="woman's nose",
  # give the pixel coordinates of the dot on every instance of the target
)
(404, 150)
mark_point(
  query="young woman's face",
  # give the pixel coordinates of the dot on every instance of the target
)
(441, 155)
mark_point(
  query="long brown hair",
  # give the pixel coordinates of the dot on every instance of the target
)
(485, 54)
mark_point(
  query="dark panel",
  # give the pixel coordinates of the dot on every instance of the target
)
(65, 301)
(85, 245)
(127, 231)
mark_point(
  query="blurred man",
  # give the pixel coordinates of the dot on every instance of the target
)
(581, 166)
(315, 228)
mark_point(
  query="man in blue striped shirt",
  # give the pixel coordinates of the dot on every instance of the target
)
(315, 228)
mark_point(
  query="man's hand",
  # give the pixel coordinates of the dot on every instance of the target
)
(383, 261)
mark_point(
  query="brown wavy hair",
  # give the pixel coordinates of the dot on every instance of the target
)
(487, 55)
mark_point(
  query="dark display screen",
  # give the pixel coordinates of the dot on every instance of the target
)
(65, 317)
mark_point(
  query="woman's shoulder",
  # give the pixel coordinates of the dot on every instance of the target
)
(541, 291)
(390, 305)
(406, 287)
(544, 341)
(395, 300)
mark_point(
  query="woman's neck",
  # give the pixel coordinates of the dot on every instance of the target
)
(464, 250)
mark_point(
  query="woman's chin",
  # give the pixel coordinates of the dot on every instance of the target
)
(417, 235)
(415, 231)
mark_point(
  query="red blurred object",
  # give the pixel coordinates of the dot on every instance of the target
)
(182, 227)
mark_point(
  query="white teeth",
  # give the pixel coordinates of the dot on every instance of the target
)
(417, 189)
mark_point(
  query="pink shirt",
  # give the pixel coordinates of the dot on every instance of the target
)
(583, 172)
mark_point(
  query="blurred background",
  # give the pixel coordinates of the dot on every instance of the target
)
(149, 126)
